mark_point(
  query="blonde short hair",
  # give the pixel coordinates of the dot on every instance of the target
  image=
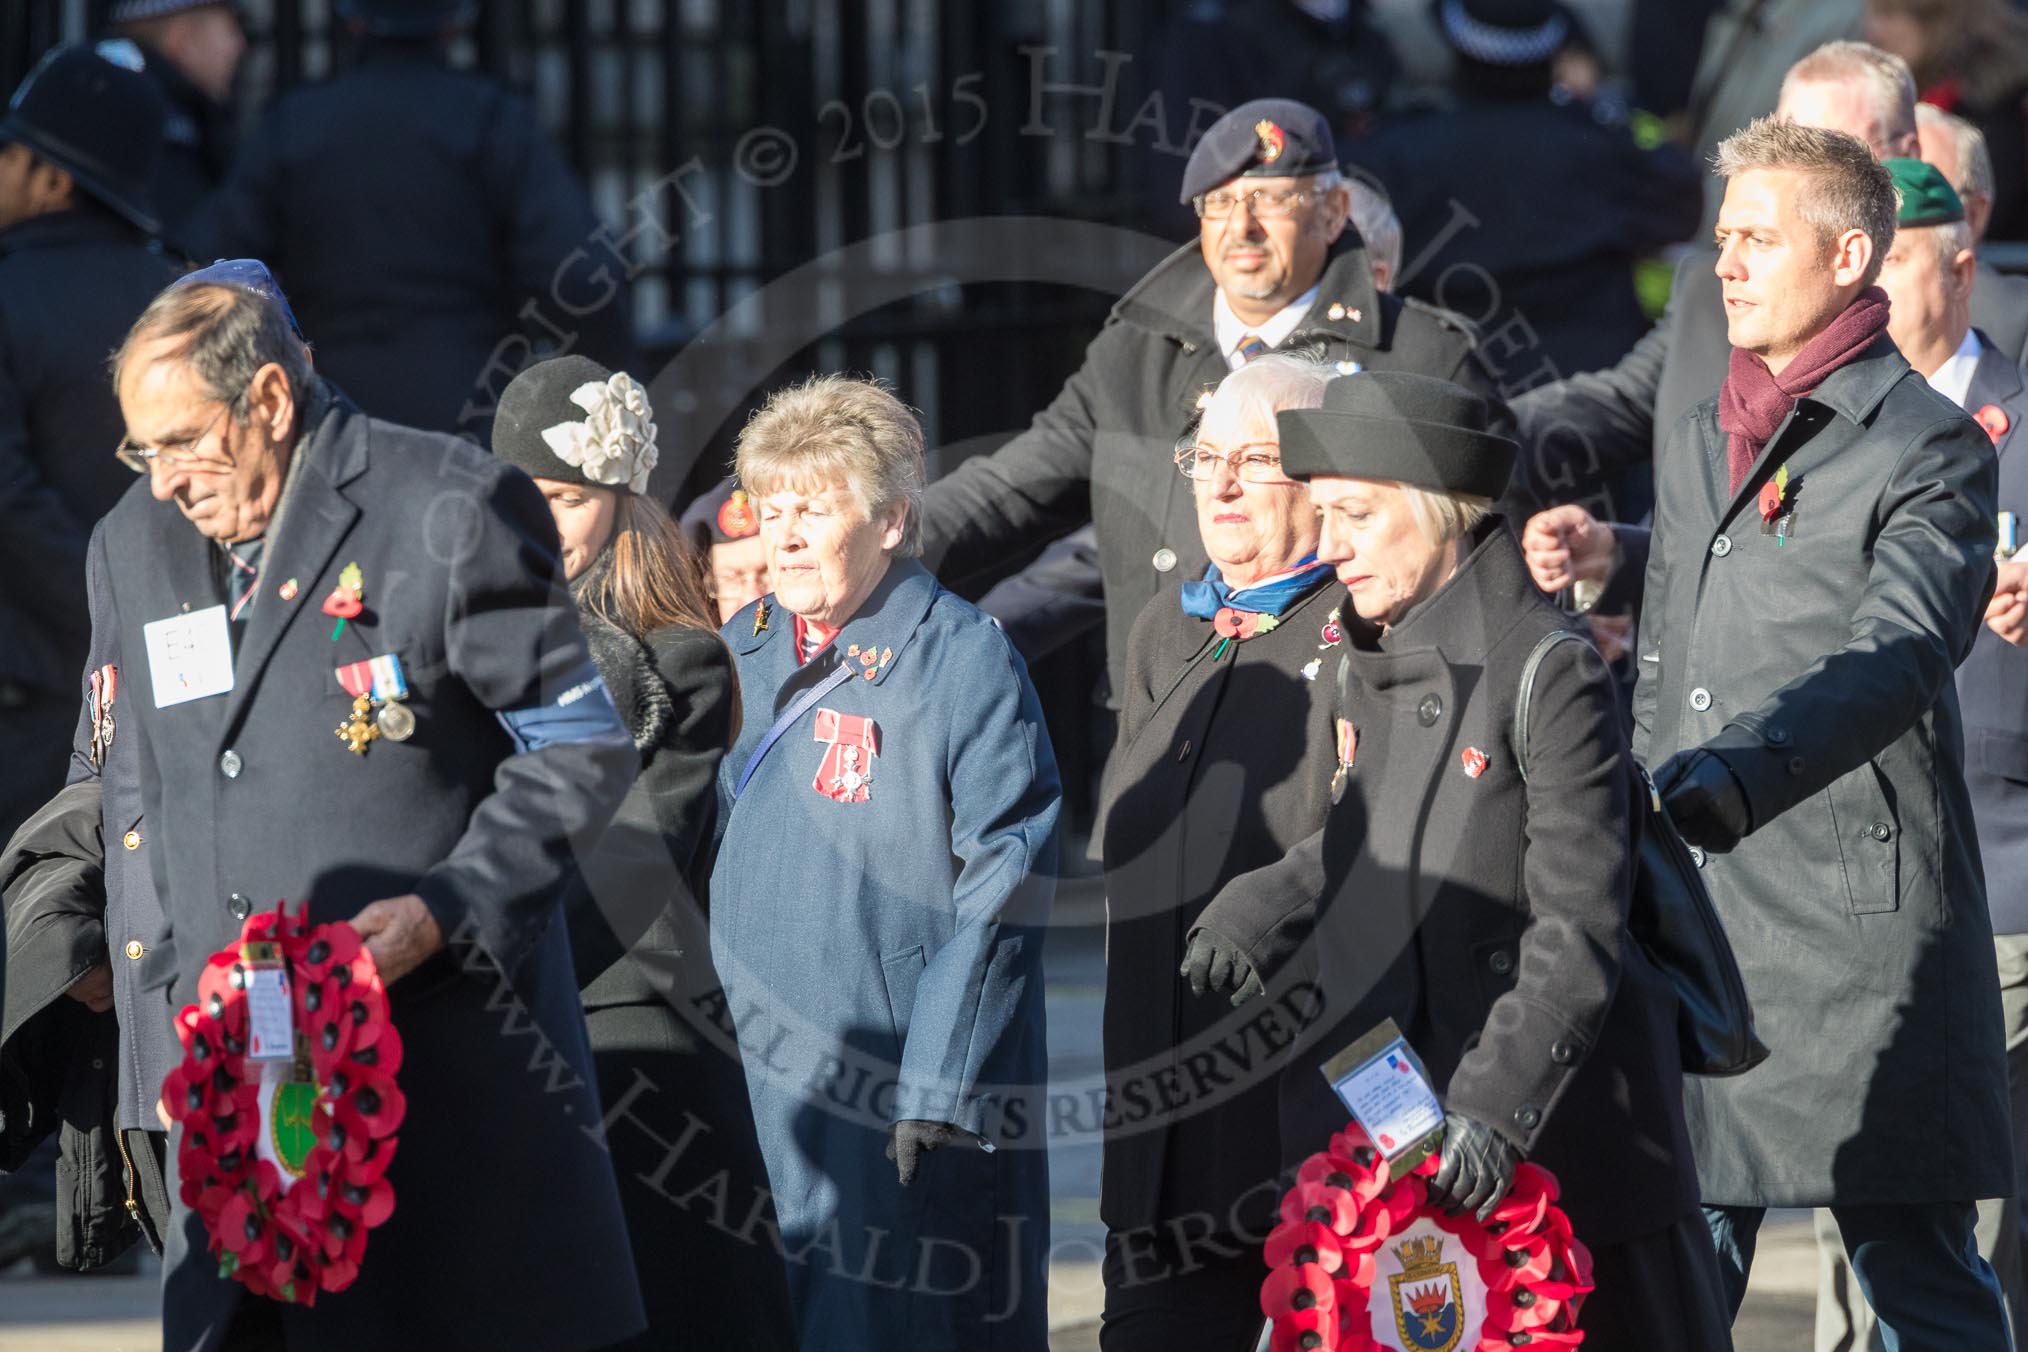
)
(1975, 161)
(1445, 517)
(838, 429)
(1844, 187)
(1885, 77)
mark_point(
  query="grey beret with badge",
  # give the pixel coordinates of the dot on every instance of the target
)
(1398, 427)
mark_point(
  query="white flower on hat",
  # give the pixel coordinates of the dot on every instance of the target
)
(616, 443)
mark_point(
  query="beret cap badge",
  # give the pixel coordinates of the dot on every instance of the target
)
(1271, 140)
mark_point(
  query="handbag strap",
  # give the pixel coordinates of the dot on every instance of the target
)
(1527, 693)
(795, 711)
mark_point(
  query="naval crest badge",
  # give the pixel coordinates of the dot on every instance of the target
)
(1426, 1297)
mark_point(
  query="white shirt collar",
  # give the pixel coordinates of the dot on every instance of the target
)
(1231, 330)
(1953, 380)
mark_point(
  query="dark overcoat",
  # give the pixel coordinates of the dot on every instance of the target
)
(882, 961)
(1487, 916)
(254, 800)
(677, 1118)
(1101, 452)
(1223, 764)
(1817, 662)
(1993, 682)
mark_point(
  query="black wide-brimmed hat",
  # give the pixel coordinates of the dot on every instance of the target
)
(1503, 32)
(1267, 138)
(92, 113)
(1391, 425)
(571, 419)
(408, 18)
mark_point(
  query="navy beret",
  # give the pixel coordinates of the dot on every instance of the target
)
(1392, 425)
(1267, 138)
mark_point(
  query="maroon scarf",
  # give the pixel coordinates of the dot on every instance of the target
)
(1754, 400)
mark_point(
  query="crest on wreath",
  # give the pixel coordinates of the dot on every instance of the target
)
(1428, 1301)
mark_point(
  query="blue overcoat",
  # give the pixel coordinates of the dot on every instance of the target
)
(882, 959)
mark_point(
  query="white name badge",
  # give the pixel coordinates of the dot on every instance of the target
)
(1382, 1082)
(271, 1033)
(189, 656)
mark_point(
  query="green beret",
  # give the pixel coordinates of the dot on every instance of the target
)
(1927, 197)
(1393, 425)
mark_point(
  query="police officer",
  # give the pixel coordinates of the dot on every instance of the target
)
(191, 49)
(1274, 266)
(412, 212)
(1525, 206)
(439, 823)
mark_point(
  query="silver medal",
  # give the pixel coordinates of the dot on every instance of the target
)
(395, 721)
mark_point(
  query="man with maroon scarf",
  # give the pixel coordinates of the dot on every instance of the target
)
(1822, 555)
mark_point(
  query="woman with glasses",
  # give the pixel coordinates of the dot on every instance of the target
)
(1224, 762)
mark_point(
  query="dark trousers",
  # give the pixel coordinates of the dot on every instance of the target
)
(1162, 1295)
(1917, 1265)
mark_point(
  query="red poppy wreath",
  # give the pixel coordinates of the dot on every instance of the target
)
(285, 1159)
(1362, 1262)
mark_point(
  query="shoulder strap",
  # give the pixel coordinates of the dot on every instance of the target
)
(795, 711)
(1527, 693)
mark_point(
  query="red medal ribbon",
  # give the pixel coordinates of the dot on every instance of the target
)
(847, 770)
(357, 678)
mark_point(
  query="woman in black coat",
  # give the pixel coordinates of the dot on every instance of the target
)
(692, 1183)
(1223, 764)
(1486, 914)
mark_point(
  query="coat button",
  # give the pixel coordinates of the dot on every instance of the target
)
(1777, 735)
(1562, 1053)
(229, 764)
(1697, 855)
(132, 840)
(1183, 751)
(1795, 765)
(1165, 559)
(1721, 546)
(135, 950)
(1502, 962)
(1700, 699)
(1430, 710)
(1528, 1118)
(240, 905)
(1880, 830)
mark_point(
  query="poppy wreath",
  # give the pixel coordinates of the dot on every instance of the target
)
(288, 1216)
(1346, 1220)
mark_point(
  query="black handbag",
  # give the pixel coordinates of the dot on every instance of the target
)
(1673, 920)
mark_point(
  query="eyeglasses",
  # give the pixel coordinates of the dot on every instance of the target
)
(1264, 202)
(139, 458)
(1257, 462)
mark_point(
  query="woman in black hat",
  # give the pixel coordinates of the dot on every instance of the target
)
(1484, 911)
(587, 437)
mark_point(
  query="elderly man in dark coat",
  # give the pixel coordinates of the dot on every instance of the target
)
(441, 822)
(1821, 559)
(1275, 266)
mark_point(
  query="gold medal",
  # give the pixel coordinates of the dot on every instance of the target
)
(395, 720)
(358, 730)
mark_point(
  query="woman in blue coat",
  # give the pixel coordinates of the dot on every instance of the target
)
(884, 872)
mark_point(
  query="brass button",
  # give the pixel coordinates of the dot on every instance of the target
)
(135, 950)
(132, 840)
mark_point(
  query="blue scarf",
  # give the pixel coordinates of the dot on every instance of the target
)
(1205, 599)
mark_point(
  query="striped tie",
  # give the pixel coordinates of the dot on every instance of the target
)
(1251, 346)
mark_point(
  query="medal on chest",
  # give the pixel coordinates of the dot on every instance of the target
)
(378, 688)
(851, 742)
(105, 687)
(1348, 747)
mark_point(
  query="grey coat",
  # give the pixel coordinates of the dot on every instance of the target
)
(1818, 664)
(1100, 452)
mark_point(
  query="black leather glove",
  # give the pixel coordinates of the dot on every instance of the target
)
(1704, 799)
(1215, 963)
(908, 1141)
(1477, 1169)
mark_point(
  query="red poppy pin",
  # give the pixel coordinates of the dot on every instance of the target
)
(1272, 140)
(1474, 761)
(1994, 419)
(347, 599)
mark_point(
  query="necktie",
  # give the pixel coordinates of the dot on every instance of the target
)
(1250, 346)
(242, 572)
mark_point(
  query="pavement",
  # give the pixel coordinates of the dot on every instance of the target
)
(118, 1314)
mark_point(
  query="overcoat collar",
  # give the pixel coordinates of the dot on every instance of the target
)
(886, 623)
(1196, 637)
(1461, 621)
(1175, 300)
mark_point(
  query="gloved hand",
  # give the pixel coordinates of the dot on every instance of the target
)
(909, 1140)
(1704, 799)
(1213, 962)
(1477, 1170)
